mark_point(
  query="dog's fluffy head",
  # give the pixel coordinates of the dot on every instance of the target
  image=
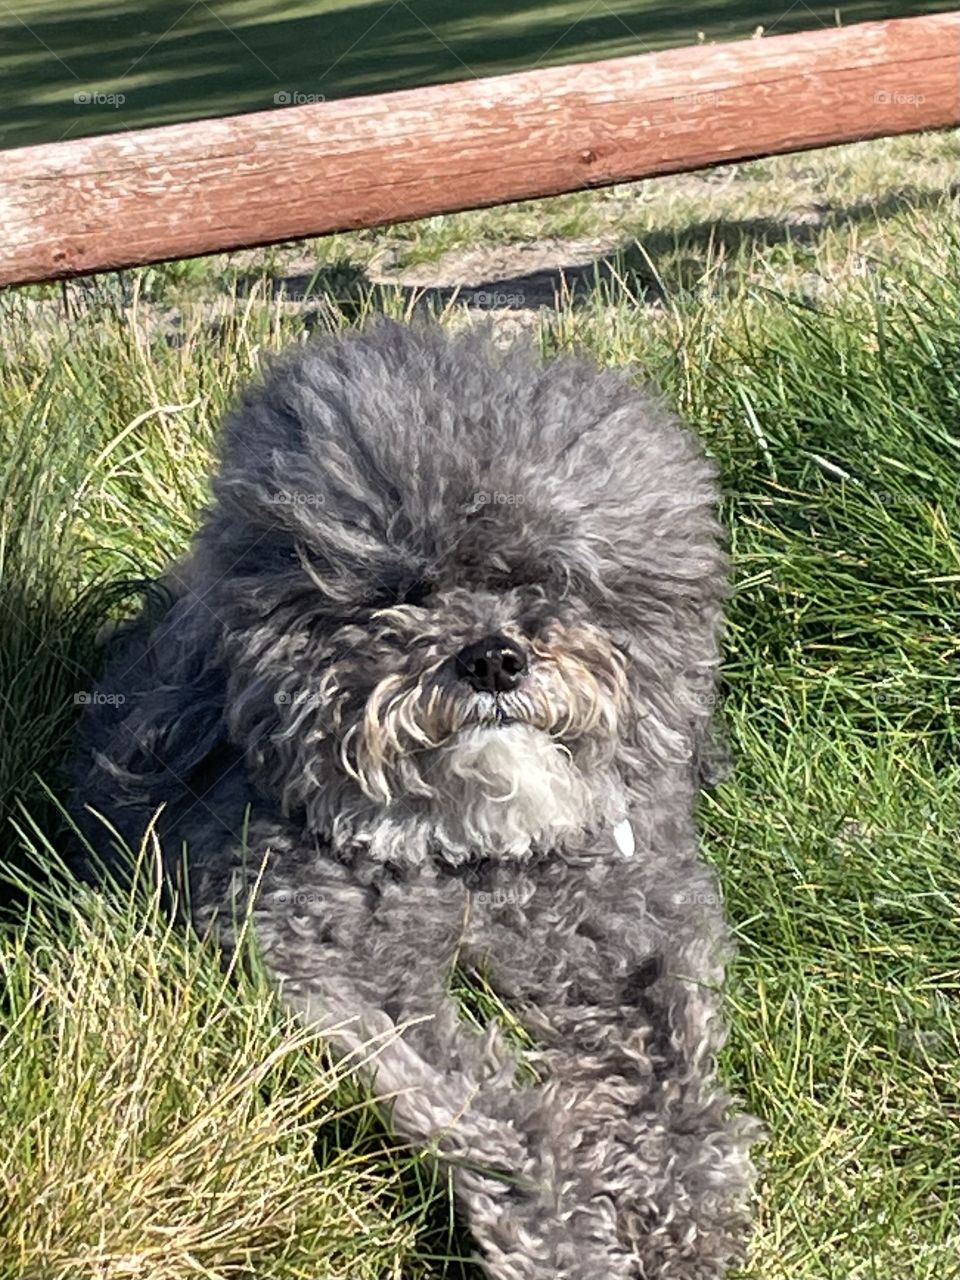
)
(385, 500)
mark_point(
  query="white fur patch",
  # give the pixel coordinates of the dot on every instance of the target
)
(501, 790)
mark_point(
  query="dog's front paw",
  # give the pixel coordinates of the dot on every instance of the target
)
(541, 1231)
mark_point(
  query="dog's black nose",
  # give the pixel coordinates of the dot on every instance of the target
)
(493, 664)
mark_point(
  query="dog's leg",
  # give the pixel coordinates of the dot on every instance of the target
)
(483, 1128)
(619, 980)
(373, 973)
(452, 1091)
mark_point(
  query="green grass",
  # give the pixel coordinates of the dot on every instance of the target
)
(161, 61)
(164, 1119)
(143, 1091)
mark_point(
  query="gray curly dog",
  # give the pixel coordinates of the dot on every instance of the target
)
(433, 688)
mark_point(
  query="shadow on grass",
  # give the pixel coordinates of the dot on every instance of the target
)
(661, 264)
(445, 1248)
(49, 665)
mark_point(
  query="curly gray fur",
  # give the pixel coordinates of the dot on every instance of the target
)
(384, 499)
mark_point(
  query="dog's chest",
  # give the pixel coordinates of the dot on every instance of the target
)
(468, 904)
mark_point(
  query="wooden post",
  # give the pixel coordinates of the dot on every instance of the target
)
(153, 194)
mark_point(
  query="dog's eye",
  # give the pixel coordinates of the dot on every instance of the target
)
(531, 624)
(417, 593)
(398, 591)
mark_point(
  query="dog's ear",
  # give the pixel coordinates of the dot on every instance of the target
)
(154, 717)
(172, 704)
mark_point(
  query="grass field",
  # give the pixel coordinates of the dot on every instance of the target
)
(165, 60)
(162, 1121)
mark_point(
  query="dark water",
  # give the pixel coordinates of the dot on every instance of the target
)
(76, 67)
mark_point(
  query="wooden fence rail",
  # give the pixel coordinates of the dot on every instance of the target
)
(173, 192)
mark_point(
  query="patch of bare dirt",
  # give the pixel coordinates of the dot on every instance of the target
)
(523, 276)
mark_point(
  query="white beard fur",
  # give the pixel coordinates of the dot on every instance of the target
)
(498, 791)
